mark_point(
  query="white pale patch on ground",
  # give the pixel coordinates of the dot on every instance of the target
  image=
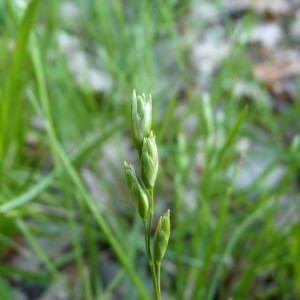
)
(251, 90)
(57, 291)
(189, 123)
(68, 10)
(29, 260)
(206, 56)
(267, 34)
(273, 7)
(288, 211)
(26, 261)
(205, 12)
(292, 55)
(85, 71)
(20, 295)
(255, 161)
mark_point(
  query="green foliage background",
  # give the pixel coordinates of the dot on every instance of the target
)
(227, 241)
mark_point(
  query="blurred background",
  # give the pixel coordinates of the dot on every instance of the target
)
(224, 79)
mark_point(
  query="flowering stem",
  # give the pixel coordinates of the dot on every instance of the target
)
(142, 189)
(154, 271)
(156, 284)
(151, 212)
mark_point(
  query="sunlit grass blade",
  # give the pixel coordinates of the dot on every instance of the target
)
(12, 133)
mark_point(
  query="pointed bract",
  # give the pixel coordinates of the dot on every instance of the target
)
(141, 118)
(161, 237)
(149, 161)
(138, 194)
(129, 174)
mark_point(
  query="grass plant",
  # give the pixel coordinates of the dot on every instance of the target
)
(228, 164)
(142, 189)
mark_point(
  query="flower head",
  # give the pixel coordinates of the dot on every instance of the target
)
(137, 191)
(161, 237)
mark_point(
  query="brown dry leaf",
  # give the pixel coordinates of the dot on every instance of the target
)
(284, 90)
(11, 252)
(270, 72)
(272, 7)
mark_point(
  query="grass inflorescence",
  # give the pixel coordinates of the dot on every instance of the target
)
(142, 189)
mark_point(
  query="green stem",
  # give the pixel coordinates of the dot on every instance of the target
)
(157, 268)
(151, 212)
(147, 230)
(151, 206)
(150, 261)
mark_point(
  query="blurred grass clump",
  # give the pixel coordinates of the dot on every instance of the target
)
(229, 161)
